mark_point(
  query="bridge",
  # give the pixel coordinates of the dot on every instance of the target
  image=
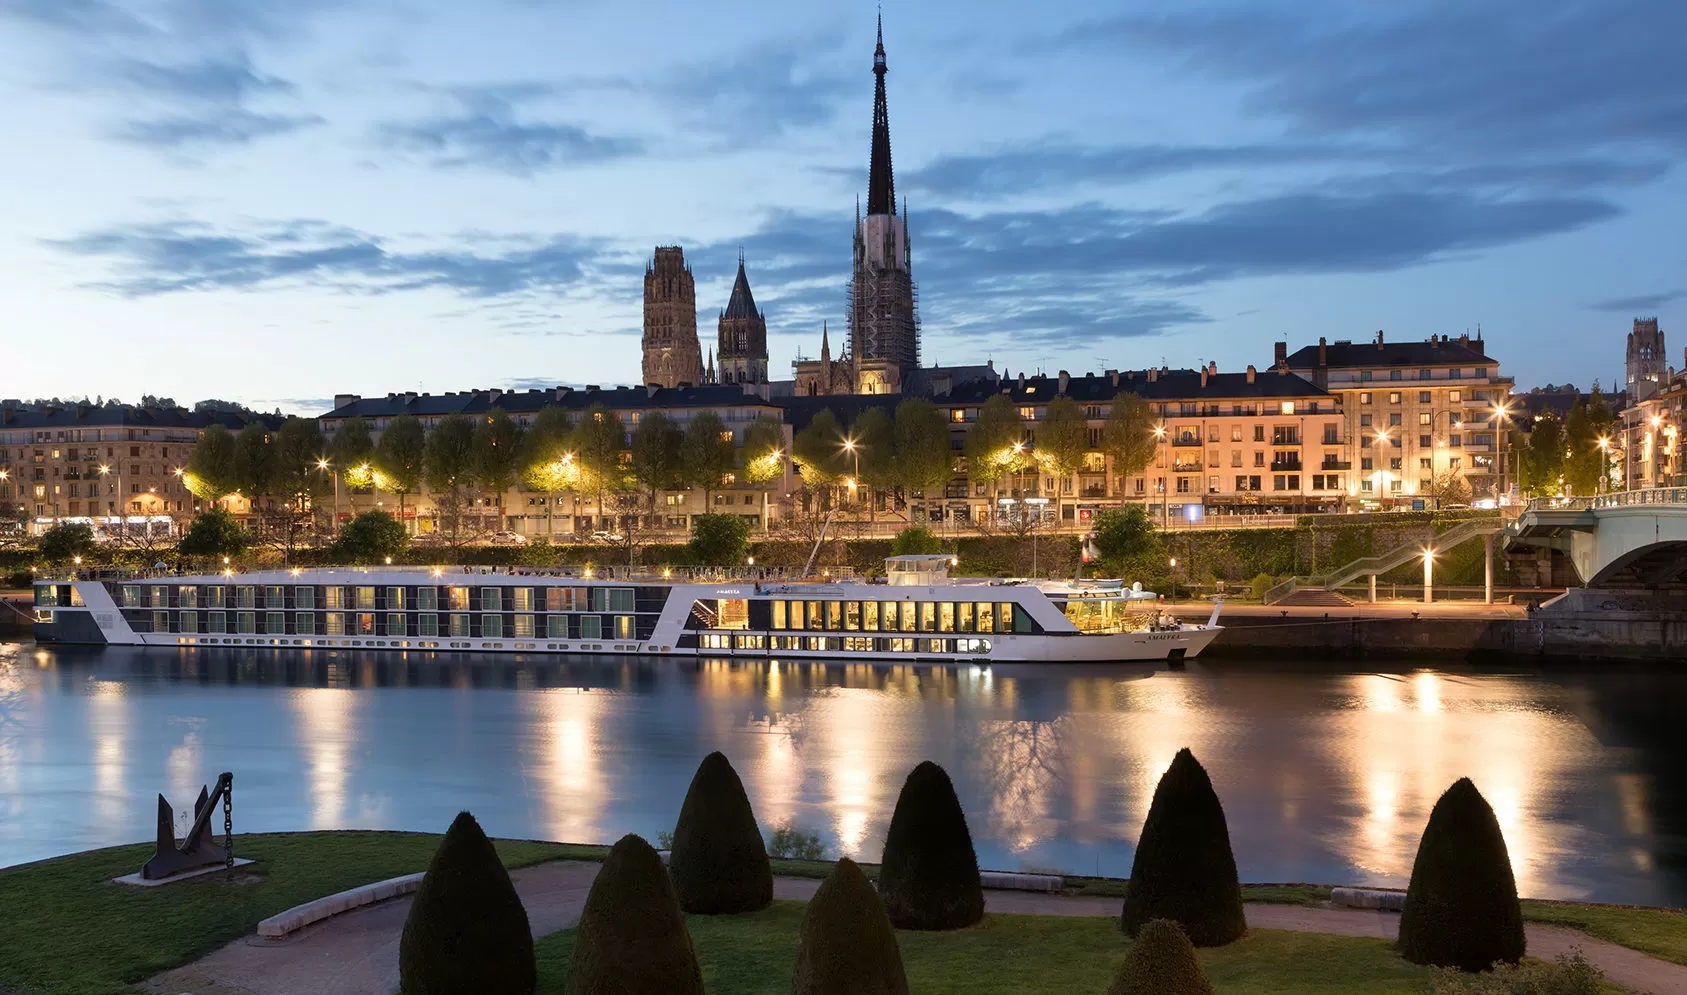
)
(1623, 540)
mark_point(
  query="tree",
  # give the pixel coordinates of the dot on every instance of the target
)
(1543, 459)
(764, 444)
(254, 463)
(1449, 487)
(214, 533)
(719, 864)
(1585, 461)
(916, 540)
(497, 455)
(655, 453)
(631, 936)
(351, 449)
(547, 462)
(467, 930)
(706, 455)
(1461, 904)
(66, 541)
(719, 540)
(819, 449)
(1161, 962)
(210, 471)
(1184, 869)
(370, 537)
(297, 445)
(929, 875)
(1127, 437)
(870, 445)
(847, 945)
(599, 441)
(924, 459)
(1063, 439)
(994, 445)
(448, 467)
(1123, 533)
(402, 457)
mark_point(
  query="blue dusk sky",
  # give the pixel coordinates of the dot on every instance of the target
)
(276, 200)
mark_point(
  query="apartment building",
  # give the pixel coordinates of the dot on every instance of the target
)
(114, 466)
(1649, 447)
(1429, 419)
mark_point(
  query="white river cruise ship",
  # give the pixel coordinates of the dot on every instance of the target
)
(918, 613)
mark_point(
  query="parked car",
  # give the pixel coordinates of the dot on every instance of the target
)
(602, 535)
(508, 538)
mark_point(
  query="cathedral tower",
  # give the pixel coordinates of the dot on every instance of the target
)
(743, 335)
(672, 355)
(1647, 369)
(884, 326)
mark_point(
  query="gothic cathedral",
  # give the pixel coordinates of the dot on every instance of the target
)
(671, 352)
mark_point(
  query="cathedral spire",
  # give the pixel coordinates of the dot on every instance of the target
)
(881, 184)
(742, 304)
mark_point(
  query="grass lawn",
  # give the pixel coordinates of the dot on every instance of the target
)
(65, 929)
(1661, 933)
(754, 954)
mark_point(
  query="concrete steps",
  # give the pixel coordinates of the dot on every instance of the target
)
(1315, 597)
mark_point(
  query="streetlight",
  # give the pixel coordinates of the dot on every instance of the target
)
(1502, 413)
(1604, 463)
(1173, 572)
(1428, 575)
(1165, 496)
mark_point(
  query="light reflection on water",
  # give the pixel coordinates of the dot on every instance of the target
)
(1326, 775)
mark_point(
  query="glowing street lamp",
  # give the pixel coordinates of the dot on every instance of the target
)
(1428, 575)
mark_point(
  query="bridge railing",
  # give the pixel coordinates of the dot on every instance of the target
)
(1613, 499)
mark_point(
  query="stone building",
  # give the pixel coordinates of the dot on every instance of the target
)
(1647, 369)
(672, 355)
(742, 340)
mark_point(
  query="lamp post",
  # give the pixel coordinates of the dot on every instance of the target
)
(1428, 575)
(1382, 478)
(849, 447)
(1502, 417)
(1173, 574)
(105, 471)
(322, 464)
(1165, 496)
(1604, 464)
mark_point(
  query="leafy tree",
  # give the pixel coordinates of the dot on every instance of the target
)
(1161, 962)
(254, 463)
(764, 444)
(214, 533)
(401, 457)
(847, 945)
(656, 452)
(819, 449)
(719, 540)
(1461, 904)
(631, 936)
(66, 541)
(371, 536)
(706, 454)
(467, 930)
(993, 446)
(297, 445)
(448, 465)
(210, 470)
(718, 862)
(1184, 869)
(1122, 533)
(924, 460)
(1128, 434)
(599, 441)
(1063, 438)
(352, 449)
(1542, 462)
(871, 445)
(497, 455)
(929, 875)
(916, 540)
(547, 462)
(1585, 462)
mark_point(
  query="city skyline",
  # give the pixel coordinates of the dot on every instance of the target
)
(419, 198)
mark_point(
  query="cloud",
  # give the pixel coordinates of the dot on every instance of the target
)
(204, 103)
(179, 257)
(89, 17)
(211, 128)
(229, 80)
(203, 20)
(1639, 303)
(758, 94)
(1047, 164)
(487, 135)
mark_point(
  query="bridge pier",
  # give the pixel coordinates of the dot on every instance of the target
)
(1428, 577)
(1373, 579)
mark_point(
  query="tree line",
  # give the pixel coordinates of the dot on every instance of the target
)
(1556, 458)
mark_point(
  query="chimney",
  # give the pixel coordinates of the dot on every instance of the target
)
(1113, 375)
(1065, 379)
(1153, 375)
(1250, 373)
(1379, 340)
(1212, 367)
(341, 400)
(1021, 379)
(560, 392)
(1203, 378)
(1435, 341)
(650, 389)
(1282, 353)
(1323, 352)
(1283, 370)
(1464, 340)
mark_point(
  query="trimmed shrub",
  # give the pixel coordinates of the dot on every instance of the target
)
(631, 936)
(847, 946)
(467, 930)
(1570, 974)
(1461, 906)
(1161, 962)
(718, 862)
(1183, 869)
(928, 877)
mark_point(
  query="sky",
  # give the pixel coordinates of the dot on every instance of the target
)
(277, 201)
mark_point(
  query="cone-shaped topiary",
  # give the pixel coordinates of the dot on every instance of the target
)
(1161, 962)
(1461, 906)
(467, 930)
(631, 936)
(1183, 869)
(847, 946)
(929, 876)
(719, 864)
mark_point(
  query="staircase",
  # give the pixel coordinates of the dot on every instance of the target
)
(1399, 556)
(1313, 597)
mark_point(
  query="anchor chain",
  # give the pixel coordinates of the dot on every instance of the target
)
(228, 825)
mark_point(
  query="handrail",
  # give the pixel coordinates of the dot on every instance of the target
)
(1384, 562)
(1611, 499)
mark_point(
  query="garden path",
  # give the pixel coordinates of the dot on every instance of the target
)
(357, 953)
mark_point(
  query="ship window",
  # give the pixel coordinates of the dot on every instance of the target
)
(304, 623)
(870, 616)
(562, 599)
(395, 599)
(304, 597)
(335, 624)
(47, 596)
(131, 596)
(909, 612)
(187, 597)
(460, 624)
(492, 626)
(366, 623)
(1010, 620)
(821, 643)
(246, 622)
(712, 641)
(858, 644)
(214, 597)
(623, 627)
(972, 645)
(275, 622)
(937, 645)
(928, 616)
(161, 597)
(216, 621)
(779, 615)
(427, 625)
(275, 597)
(188, 622)
(834, 615)
(815, 619)
(427, 599)
(946, 617)
(963, 617)
(396, 626)
(620, 599)
(244, 597)
(732, 613)
(986, 617)
(903, 645)
(787, 642)
(160, 621)
(524, 626)
(852, 616)
(521, 599)
(333, 597)
(459, 599)
(491, 599)
(591, 627)
(750, 641)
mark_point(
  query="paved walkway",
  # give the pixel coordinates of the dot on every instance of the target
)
(357, 953)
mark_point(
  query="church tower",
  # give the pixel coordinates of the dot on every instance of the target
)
(742, 339)
(884, 326)
(1647, 368)
(672, 355)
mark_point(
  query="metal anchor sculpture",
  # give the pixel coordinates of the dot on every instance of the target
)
(197, 850)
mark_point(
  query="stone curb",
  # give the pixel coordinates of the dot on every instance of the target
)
(1368, 898)
(300, 916)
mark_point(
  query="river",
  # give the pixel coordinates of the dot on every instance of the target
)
(1327, 773)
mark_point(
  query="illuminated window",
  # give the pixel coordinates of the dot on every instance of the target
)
(1288, 407)
(397, 627)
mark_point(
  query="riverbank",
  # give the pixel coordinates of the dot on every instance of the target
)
(67, 930)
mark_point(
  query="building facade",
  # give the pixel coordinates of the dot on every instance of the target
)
(1429, 419)
(1645, 367)
(672, 355)
(1650, 440)
(741, 342)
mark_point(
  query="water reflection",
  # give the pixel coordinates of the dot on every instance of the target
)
(1325, 776)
